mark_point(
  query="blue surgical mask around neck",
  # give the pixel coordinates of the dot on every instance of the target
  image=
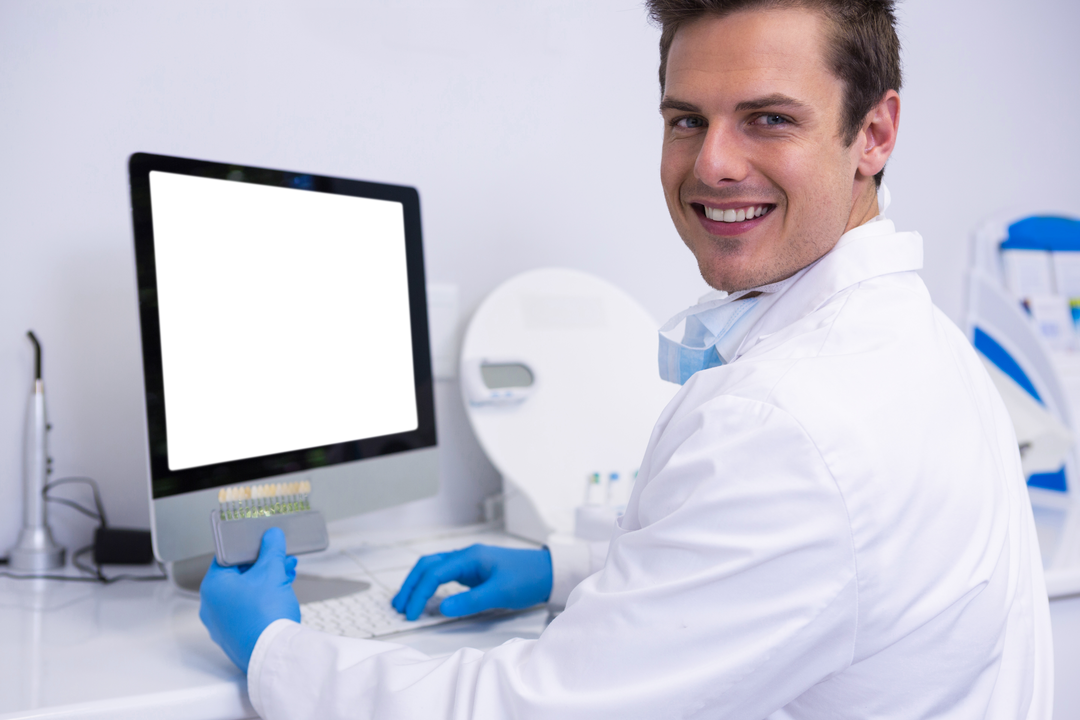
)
(706, 324)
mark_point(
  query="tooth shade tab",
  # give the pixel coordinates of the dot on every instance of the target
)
(245, 501)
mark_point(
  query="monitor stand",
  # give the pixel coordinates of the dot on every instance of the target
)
(188, 574)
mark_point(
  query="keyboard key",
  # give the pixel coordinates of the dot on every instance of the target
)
(370, 614)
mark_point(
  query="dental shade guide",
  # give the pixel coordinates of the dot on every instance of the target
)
(245, 512)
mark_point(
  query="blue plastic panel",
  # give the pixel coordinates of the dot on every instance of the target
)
(1056, 234)
(1049, 481)
(1008, 365)
(1004, 362)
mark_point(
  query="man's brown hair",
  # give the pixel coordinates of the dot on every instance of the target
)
(863, 52)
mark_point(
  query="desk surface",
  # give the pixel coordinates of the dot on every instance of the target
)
(137, 649)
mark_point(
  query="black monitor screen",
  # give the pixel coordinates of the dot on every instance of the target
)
(284, 318)
(284, 323)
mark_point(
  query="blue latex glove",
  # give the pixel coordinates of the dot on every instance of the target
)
(499, 578)
(239, 602)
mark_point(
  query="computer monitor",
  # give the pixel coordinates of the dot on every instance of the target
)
(284, 337)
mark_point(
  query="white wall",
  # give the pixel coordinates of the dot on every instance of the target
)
(530, 129)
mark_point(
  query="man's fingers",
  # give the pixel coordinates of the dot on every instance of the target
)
(216, 573)
(452, 567)
(422, 565)
(272, 547)
(480, 598)
(215, 568)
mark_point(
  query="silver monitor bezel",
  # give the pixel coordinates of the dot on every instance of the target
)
(364, 475)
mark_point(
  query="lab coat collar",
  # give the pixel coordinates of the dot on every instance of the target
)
(868, 251)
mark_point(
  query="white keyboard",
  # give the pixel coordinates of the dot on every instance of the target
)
(369, 613)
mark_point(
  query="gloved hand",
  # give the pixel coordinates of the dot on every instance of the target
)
(499, 578)
(239, 602)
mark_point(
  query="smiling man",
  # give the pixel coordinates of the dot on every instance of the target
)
(830, 520)
(762, 171)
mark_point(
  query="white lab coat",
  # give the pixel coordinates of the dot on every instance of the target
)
(834, 525)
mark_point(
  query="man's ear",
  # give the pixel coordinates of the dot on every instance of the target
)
(878, 136)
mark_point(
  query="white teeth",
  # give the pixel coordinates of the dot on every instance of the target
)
(747, 213)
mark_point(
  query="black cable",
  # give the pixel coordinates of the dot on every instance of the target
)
(96, 570)
(74, 506)
(95, 573)
(69, 578)
(107, 580)
(85, 481)
(95, 576)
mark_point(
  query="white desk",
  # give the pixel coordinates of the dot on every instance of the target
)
(138, 650)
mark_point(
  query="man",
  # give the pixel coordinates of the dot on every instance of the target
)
(830, 519)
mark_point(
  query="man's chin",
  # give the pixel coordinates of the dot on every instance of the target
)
(733, 277)
(727, 281)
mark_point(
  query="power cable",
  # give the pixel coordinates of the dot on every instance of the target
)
(95, 573)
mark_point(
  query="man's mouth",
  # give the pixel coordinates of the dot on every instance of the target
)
(736, 215)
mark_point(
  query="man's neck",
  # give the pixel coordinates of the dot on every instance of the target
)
(865, 207)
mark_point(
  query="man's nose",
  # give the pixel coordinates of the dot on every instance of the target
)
(721, 159)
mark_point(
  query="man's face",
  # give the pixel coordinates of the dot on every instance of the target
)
(755, 172)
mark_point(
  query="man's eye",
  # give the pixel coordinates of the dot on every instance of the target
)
(771, 120)
(689, 123)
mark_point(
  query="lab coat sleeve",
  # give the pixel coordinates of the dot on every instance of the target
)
(729, 589)
(572, 560)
